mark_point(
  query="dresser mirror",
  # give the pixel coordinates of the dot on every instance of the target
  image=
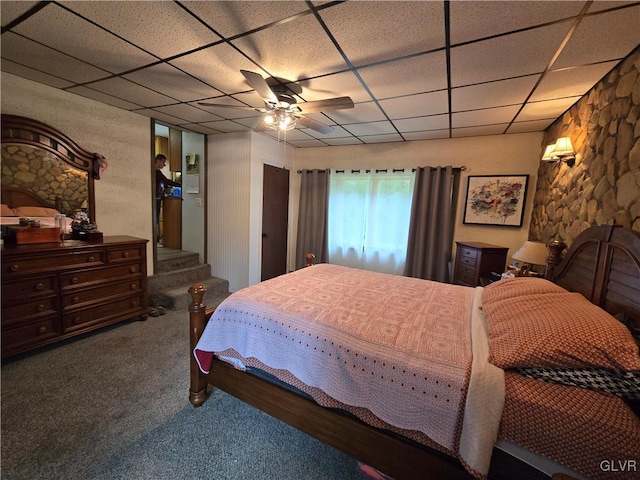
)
(42, 167)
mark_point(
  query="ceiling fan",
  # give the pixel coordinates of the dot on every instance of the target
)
(281, 110)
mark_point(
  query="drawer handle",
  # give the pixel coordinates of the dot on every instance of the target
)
(41, 307)
(134, 286)
(76, 299)
(39, 286)
(134, 303)
(77, 320)
(14, 268)
(125, 254)
(92, 258)
(133, 269)
(75, 280)
(42, 330)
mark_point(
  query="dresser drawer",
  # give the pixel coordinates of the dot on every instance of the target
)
(29, 287)
(29, 309)
(78, 297)
(465, 275)
(32, 264)
(132, 306)
(125, 254)
(99, 275)
(467, 252)
(23, 337)
(468, 260)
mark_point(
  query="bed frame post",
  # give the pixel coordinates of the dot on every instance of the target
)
(197, 322)
(555, 257)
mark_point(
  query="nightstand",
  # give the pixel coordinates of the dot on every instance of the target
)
(476, 260)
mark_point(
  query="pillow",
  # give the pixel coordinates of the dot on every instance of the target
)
(518, 286)
(7, 212)
(35, 212)
(557, 330)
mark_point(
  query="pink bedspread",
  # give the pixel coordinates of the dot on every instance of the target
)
(396, 346)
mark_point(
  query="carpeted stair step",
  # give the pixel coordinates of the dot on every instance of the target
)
(178, 297)
(179, 276)
(176, 260)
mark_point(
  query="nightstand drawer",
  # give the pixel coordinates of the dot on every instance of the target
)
(467, 261)
(468, 252)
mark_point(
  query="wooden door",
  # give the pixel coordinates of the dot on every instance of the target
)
(275, 220)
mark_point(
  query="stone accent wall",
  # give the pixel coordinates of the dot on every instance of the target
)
(44, 174)
(603, 187)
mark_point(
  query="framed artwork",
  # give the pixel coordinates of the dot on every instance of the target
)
(495, 200)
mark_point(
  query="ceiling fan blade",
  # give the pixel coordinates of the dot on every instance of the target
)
(338, 103)
(317, 126)
(260, 85)
(221, 105)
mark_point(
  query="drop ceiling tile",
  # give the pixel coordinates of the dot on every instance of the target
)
(428, 135)
(570, 82)
(608, 35)
(342, 141)
(361, 112)
(393, 29)
(39, 57)
(9, 11)
(163, 117)
(287, 136)
(35, 75)
(66, 32)
(416, 105)
(233, 18)
(336, 85)
(390, 137)
(226, 126)
(530, 126)
(373, 128)
(195, 127)
(104, 98)
(307, 143)
(170, 81)
(473, 20)
(218, 66)
(549, 109)
(188, 113)
(129, 91)
(283, 50)
(230, 113)
(512, 55)
(488, 116)
(337, 132)
(417, 124)
(498, 93)
(478, 131)
(149, 24)
(419, 74)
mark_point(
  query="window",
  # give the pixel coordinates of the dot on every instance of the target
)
(368, 219)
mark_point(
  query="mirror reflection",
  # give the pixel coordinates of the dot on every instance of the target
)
(50, 178)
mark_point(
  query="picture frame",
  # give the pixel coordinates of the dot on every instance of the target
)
(495, 200)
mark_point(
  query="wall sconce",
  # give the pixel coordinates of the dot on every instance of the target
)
(561, 151)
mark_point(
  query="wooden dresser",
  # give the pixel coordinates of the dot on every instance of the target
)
(475, 260)
(53, 291)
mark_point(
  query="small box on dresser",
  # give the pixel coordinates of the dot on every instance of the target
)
(54, 291)
(475, 261)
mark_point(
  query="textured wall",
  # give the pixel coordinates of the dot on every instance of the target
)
(603, 187)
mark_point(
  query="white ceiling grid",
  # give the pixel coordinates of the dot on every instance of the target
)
(414, 69)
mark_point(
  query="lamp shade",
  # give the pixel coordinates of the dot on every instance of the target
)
(563, 147)
(534, 253)
(548, 153)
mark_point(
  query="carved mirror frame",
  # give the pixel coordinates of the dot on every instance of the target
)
(27, 131)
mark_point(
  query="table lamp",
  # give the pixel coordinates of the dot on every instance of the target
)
(530, 253)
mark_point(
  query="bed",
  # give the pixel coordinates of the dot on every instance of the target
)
(22, 203)
(487, 387)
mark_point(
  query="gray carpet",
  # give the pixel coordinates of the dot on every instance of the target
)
(114, 405)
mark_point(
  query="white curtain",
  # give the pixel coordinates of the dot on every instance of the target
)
(368, 219)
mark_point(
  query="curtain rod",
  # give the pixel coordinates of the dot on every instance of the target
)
(381, 170)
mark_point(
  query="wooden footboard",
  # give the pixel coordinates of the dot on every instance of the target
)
(198, 317)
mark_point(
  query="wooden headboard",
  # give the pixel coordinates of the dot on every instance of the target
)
(21, 197)
(603, 264)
